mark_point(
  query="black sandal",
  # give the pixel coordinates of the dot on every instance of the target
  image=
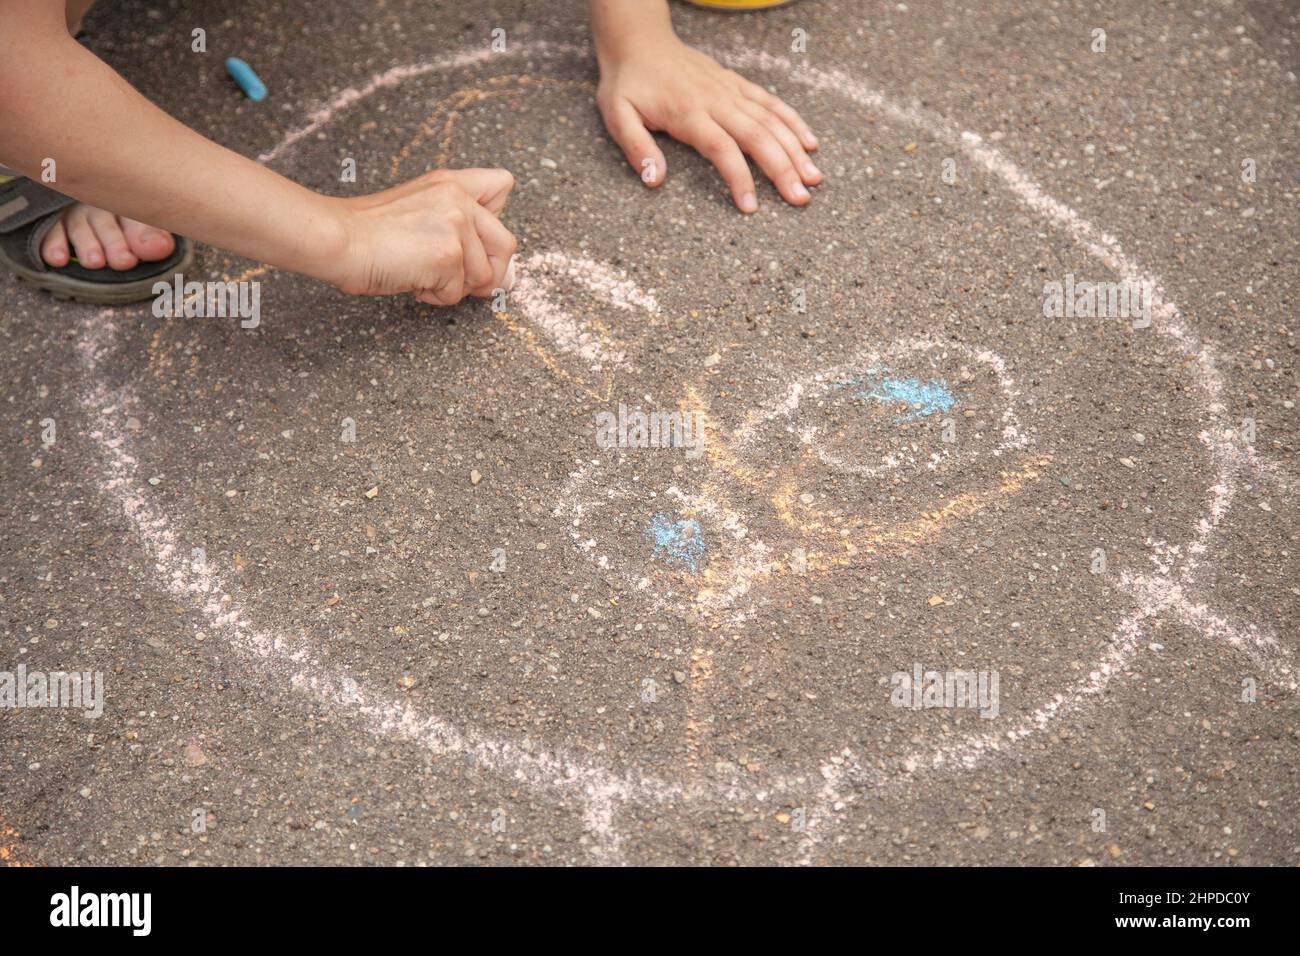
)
(28, 211)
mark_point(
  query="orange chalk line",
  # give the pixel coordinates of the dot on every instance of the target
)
(449, 109)
(157, 362)
(11, 850)
(446, 112)
(811, 521)
(849, 537)
(875, 538)
(529, 339)
(843, 539)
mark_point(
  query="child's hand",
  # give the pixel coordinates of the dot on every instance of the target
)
(437, 236)
(659, 83)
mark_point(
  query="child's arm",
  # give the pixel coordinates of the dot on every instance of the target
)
(112, 148)
(650, 81)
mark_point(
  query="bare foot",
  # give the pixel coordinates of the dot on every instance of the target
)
(98, 238)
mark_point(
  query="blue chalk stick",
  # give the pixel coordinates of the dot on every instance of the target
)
(248, 81)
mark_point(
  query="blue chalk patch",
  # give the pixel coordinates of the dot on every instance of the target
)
(677, 542)
(248, 81)
(922, 398)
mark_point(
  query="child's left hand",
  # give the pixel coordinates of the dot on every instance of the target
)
(665, 85)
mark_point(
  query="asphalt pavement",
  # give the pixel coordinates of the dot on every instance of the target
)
(365, 584)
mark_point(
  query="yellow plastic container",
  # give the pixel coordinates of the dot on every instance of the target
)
(740, 5)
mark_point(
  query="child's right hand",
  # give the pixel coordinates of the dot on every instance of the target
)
(437, 236)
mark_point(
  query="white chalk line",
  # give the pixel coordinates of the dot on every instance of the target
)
(602, 791)
(462, 60)
(591, 548)
(599, 791)
(1270, 471)
(819, 383)
(292, 658)
(1264, 650)
(534, 292)
(1169, 322)
(755, 559)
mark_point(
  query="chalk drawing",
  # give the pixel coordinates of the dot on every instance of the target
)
(788, 409)
(826, 539)
(599, 791)
(922, 399)
(677, 541)
(534, 291)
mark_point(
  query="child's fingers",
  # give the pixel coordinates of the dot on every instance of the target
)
(628, 129)
(498, 245)
(808, 170)
(476, 267)
(499, 242)
(450, 287)
(437, 297)
(771, 157)
(784, 110)
(717, 146)
(489, 187)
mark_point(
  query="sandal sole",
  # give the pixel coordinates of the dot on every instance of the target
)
(67, 289)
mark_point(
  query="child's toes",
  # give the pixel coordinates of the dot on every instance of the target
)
(109, 232)
(148, 242)
(54, 247)
(85, 244)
